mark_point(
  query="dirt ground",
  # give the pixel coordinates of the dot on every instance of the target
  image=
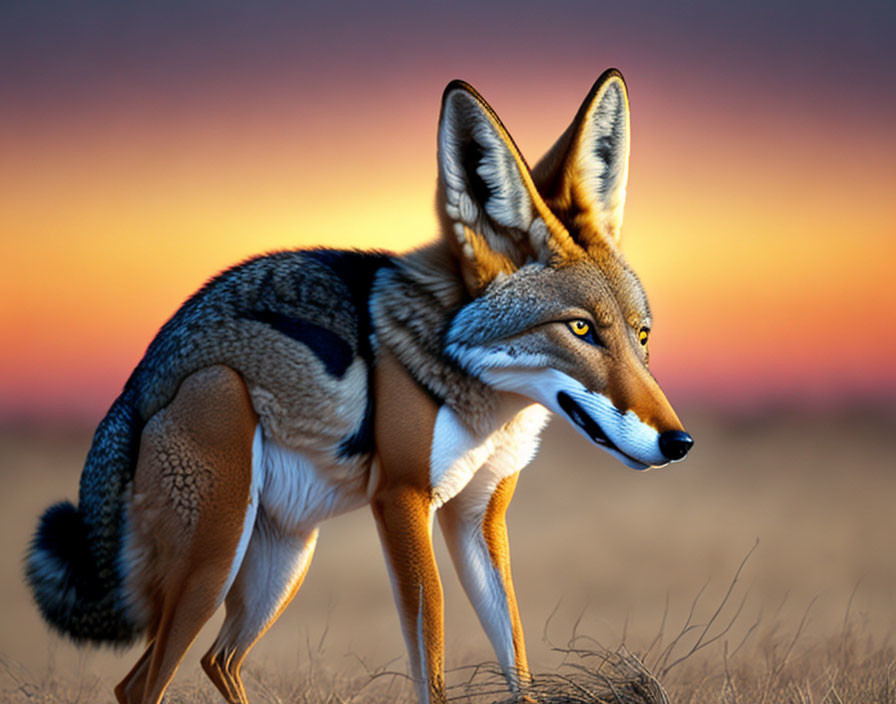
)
(598, 549)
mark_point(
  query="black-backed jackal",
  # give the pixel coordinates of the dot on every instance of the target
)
(304, 384)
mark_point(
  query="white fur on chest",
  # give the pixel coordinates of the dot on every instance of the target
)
(297, 493)
(457, 453)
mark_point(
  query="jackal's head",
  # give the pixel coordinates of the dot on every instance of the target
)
(556, 314)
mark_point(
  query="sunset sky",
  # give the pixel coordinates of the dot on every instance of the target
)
(144, 147)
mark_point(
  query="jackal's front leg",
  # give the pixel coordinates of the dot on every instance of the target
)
(475, 530)
(404, 520)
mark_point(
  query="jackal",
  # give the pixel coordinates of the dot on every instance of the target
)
(303, 384)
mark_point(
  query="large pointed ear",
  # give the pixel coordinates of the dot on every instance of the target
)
(492, 214)
(583, 176)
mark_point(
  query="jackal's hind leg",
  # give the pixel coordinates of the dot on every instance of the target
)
(192, 505)
(130, 689)
(475, 530)
(272, 572)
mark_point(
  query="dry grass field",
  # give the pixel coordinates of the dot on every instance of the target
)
(602, 556)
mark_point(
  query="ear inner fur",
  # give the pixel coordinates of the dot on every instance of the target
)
(583, 176)
(513, 225)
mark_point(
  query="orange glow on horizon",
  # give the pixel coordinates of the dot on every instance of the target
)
(766, 271)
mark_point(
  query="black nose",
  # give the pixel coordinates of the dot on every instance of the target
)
(674, 444)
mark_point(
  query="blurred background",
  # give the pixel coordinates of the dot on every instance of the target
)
(143, 148)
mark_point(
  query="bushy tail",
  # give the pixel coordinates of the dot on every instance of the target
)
(73, 564)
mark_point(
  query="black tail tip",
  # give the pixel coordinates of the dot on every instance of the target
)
(64, 579)
(62, 534)
(58, 565)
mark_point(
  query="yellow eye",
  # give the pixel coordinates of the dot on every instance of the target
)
(580, 327)
(642, 336)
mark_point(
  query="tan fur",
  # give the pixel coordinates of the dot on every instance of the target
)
(632, 388)
(405, 417)
(195, 455)
(403, 519)
(407, 322)
(494, 530)
(402, 507)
